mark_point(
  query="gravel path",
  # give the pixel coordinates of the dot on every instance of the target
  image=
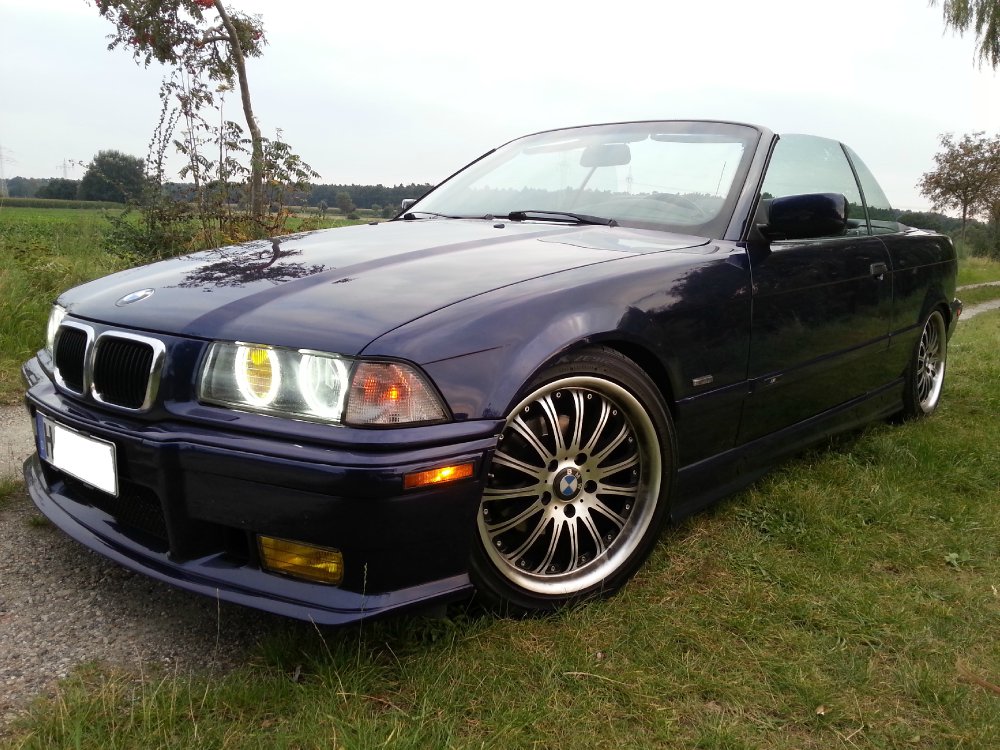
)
(62, 605)
(15, 440)
(971, 312)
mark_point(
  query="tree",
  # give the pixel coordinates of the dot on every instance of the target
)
(25, 187)
(344, 202)
(983, 16)
(181, 33)
(965, 174)
(59, 188)
(112, 176)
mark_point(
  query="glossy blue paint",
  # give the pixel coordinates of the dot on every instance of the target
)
(757, 345)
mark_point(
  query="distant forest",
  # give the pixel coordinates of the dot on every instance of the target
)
(381, 196)
(363, 196)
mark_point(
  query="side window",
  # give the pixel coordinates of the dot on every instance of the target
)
(807, 164)
(880, 213)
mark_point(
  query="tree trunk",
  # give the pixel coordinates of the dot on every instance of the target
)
(257, 143)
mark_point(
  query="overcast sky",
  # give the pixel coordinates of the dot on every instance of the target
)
(392, 92)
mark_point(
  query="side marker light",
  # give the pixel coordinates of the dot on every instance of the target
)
(437, 476)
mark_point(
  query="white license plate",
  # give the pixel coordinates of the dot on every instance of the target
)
(90, 460)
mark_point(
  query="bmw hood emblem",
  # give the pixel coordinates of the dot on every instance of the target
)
(135, 296)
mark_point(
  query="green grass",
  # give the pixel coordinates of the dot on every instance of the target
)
(848, 600)
(55, 203)
(9, 488)
(976, 270)
(42, 253)
(979, 295)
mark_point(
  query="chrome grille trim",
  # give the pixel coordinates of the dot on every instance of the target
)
(72, 358)
(149, 367)
(117, 369)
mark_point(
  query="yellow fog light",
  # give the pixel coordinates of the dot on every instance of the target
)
(437, 476)
(308, 561)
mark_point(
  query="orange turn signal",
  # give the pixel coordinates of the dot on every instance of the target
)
(437, 476)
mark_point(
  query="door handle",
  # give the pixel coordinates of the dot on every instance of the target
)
(879, 270)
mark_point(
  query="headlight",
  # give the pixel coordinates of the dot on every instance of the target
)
(56, 315)
(306, 384)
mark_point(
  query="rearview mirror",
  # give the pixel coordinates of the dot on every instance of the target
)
(799, 217)
(407, 202)
(606, 155)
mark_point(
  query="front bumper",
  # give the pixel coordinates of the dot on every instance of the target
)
(192, 501)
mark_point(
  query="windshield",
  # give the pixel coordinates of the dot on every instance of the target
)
(672, 175)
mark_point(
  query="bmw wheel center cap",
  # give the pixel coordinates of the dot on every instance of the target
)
(568, 484)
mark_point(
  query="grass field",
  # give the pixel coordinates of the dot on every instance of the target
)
(975, 270)
(851, 599)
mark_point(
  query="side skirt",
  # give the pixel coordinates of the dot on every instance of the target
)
(703, 483)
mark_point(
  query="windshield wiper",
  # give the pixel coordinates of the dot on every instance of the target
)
(420, 215)
(532, 215)
(412, 216)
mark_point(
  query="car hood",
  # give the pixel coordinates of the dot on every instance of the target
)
(339, 289)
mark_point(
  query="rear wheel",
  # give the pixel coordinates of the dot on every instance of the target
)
(925, 374)
(578, 488)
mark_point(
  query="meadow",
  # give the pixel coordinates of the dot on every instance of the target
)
(850, 599)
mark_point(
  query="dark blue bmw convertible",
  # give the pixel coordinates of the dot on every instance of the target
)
(509, 388)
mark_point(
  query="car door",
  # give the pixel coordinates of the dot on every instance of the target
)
(822, 306)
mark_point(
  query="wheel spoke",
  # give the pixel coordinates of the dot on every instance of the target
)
(532, 439)
(607, 471)
(932, 342)
(532, 538)
(514, 493)
(602, 421)
(573, 528)
(537, 472)
(588, 523)
(604, 510)
(609, 448)
(574, 443)
(557, 527)
(616, 490)
(553, 416)
(521, 517)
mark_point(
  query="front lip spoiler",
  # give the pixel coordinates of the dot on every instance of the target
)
(219, 578)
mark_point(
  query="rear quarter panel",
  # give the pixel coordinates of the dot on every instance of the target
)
(924, 272)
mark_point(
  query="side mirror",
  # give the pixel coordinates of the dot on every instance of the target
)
(407, 202)
(800, 217)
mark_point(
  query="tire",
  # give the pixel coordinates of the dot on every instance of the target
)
(925, 373)
(579, 486)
